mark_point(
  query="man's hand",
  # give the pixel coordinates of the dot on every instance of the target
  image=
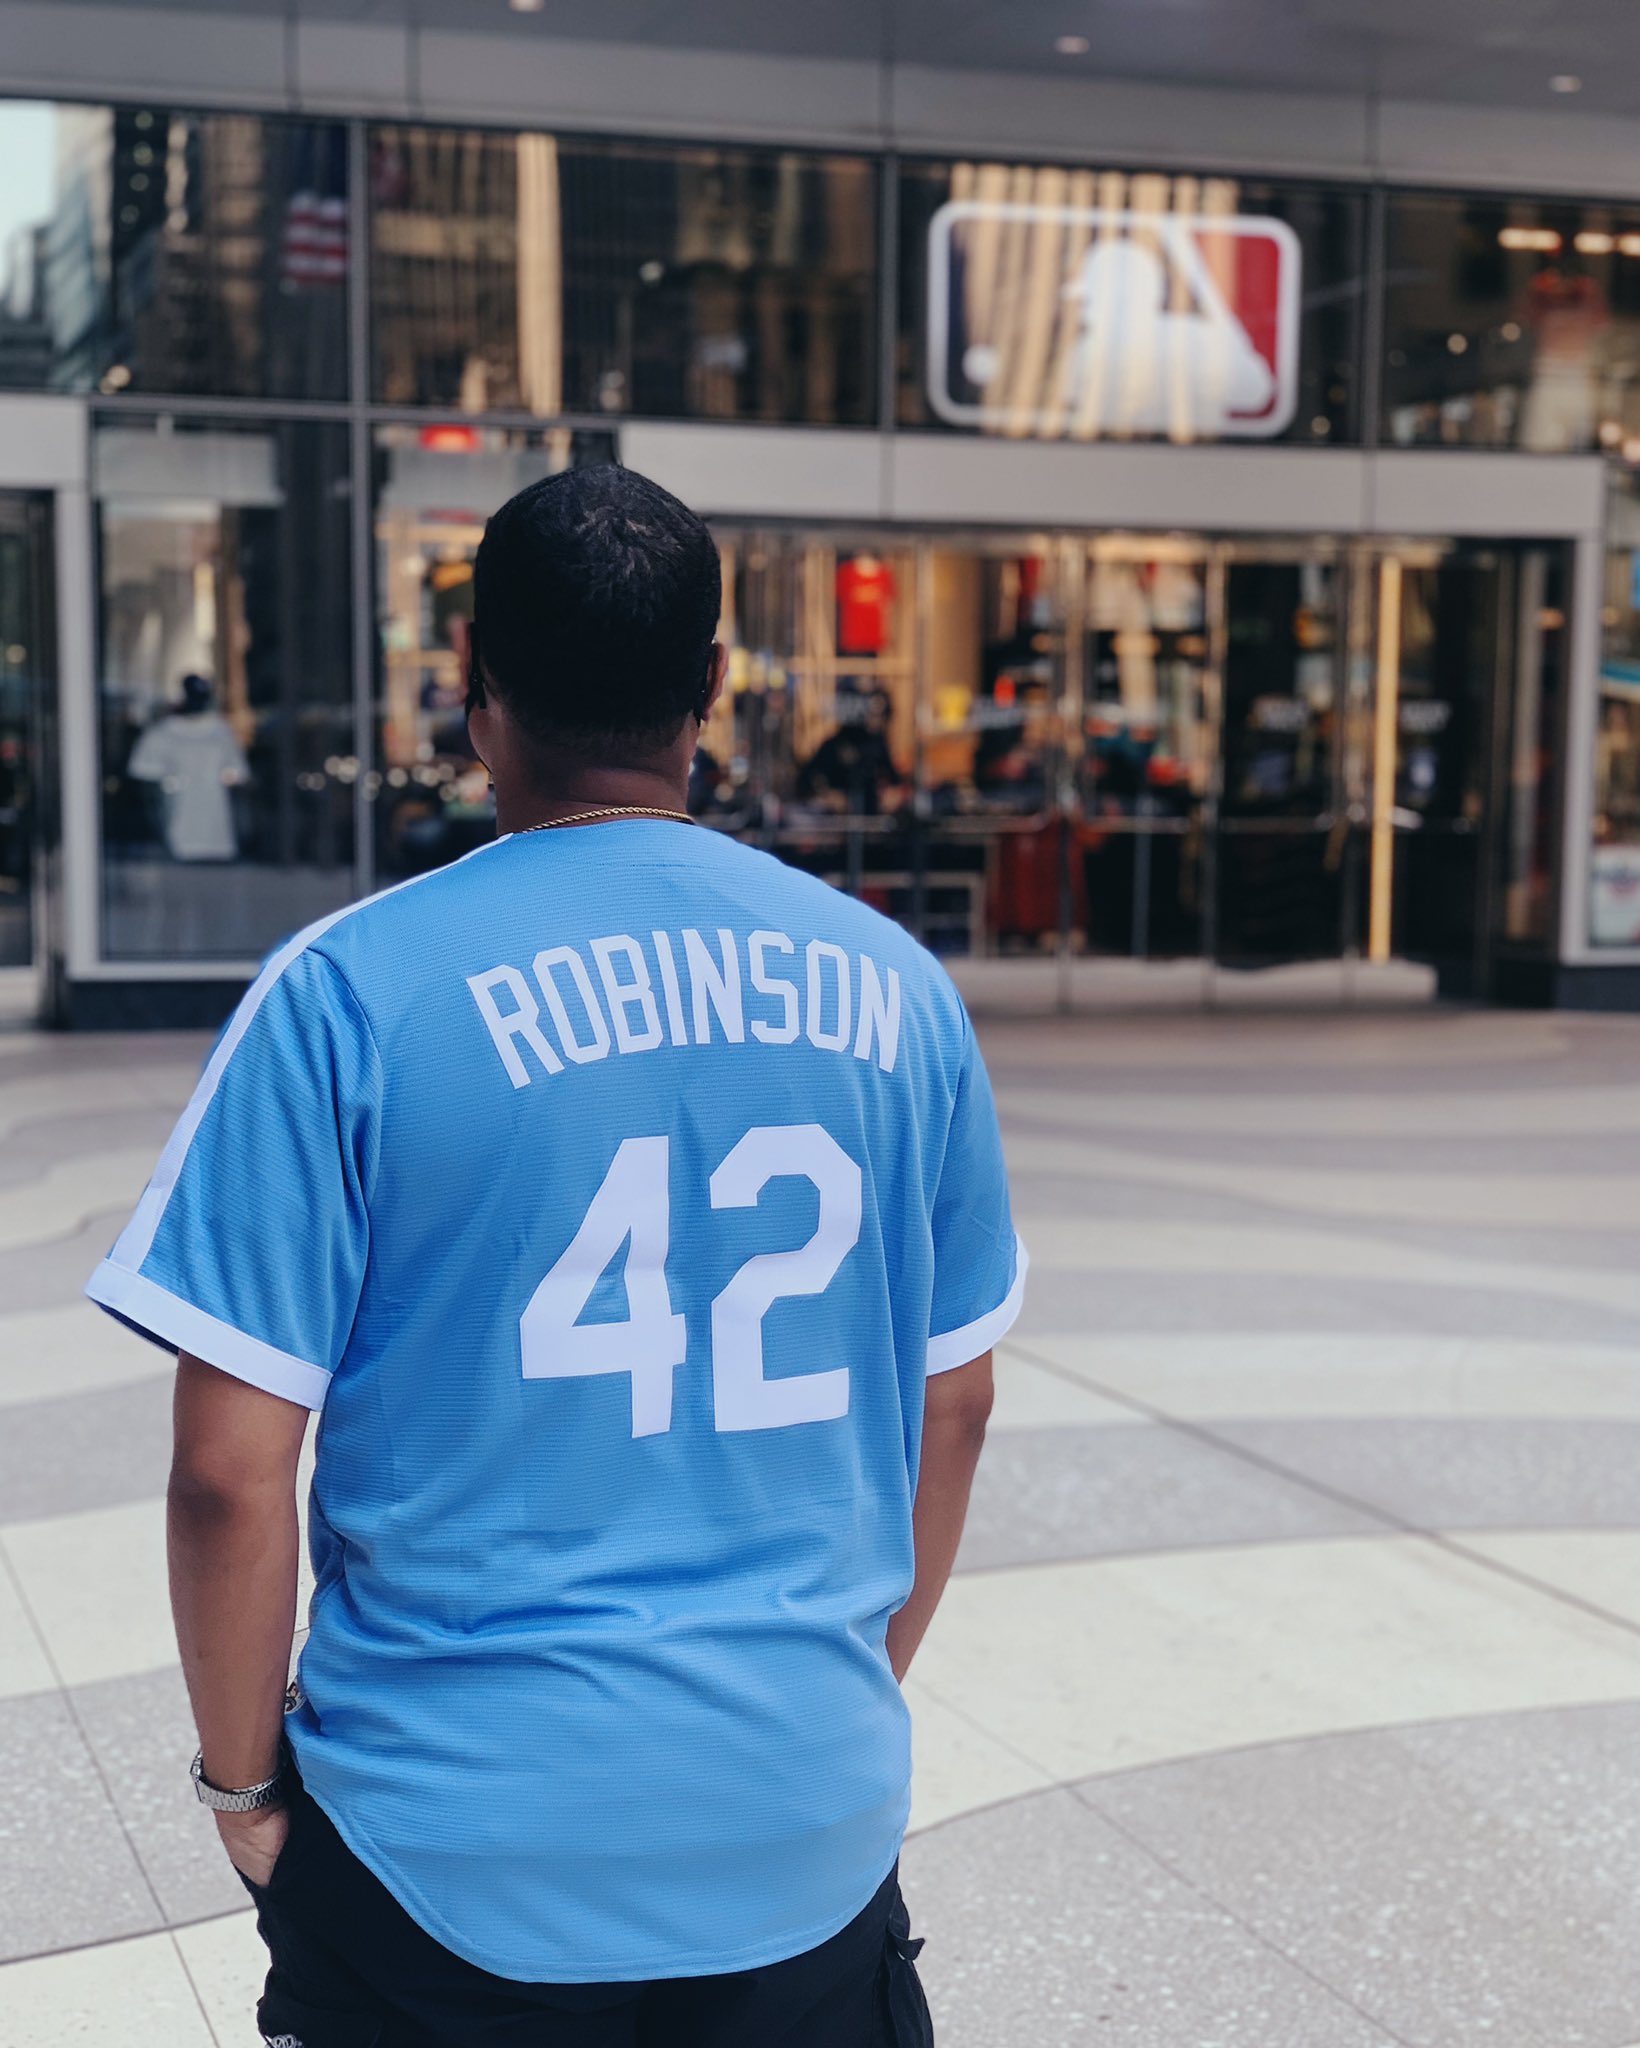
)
(233, 1542)
(254, 1840)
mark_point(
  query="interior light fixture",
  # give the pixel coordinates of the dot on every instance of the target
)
(1565, 81)
(1529, 238)
(526, 6)
(1590, 243)
(1072, 46)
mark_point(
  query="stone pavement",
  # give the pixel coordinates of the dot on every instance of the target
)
(1289, 1692)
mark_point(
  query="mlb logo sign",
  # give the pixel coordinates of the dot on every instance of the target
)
(1082, 323)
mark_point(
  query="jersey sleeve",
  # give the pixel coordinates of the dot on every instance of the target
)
(249, 1246)
(979, 1262)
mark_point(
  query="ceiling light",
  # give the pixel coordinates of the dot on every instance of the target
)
(526, 6)
(1563, 81)
(1071, 46)
(1590, 243)
(1528, 238)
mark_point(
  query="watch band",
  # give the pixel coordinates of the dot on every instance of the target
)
(248, 1799)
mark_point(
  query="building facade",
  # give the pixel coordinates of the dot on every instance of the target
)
(1187, 529)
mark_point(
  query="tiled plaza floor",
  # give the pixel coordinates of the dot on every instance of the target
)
(1289, 1692)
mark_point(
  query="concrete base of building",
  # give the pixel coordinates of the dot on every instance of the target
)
(147, 1005)
(1043, 986)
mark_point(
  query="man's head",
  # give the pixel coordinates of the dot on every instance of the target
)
(595, 602)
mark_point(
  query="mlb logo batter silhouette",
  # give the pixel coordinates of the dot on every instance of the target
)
(1083, 322)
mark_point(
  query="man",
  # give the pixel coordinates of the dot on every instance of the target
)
(633, 1209)
(854, 764)
(193, 759)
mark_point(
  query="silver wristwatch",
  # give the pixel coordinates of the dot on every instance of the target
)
(249, 1799)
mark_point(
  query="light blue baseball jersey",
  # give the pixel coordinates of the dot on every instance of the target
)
(611, 1194)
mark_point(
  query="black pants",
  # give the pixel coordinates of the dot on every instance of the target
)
(351, 1969)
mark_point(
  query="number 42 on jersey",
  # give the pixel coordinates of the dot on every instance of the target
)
(634, 1203)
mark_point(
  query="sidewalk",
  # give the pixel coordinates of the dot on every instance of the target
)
(1289, 1693)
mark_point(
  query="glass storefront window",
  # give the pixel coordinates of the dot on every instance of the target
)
(1085, 304)
(896, 723)
(147, 250)
(1511, 323)
(994, 740)
(435, 487)
(551, 274)
(813, 747)
(226, 696)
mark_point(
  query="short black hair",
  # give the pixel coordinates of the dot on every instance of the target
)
(595, 603)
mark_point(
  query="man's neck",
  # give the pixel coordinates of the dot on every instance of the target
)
(583, 788)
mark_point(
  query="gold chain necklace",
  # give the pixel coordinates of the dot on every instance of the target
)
(605, 811)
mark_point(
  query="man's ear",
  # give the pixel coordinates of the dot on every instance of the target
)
(717, 668)
(467, 651)
(481, 735)
(480, 716)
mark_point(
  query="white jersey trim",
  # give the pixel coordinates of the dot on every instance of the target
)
(958, 1347)
(167, 1319)
(136, 1241)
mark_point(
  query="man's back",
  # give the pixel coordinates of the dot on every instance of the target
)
(642, 1181)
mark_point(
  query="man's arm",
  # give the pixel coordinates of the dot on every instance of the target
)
(957, 1407)
(232, 1527)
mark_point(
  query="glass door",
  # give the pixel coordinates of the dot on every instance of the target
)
(1148, 715)
(812, 747)
(25, 674)
(1466, 717)
(894, 723)
(1278, 891)
(1001, 687)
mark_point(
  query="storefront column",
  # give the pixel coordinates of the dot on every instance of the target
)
(1582, 725)
(79, 748)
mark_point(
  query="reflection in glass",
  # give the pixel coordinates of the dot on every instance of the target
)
(143, 249)
(1511, 323)
(227, 721)
(560, 274)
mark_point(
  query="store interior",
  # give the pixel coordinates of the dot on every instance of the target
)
(1152, 747)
